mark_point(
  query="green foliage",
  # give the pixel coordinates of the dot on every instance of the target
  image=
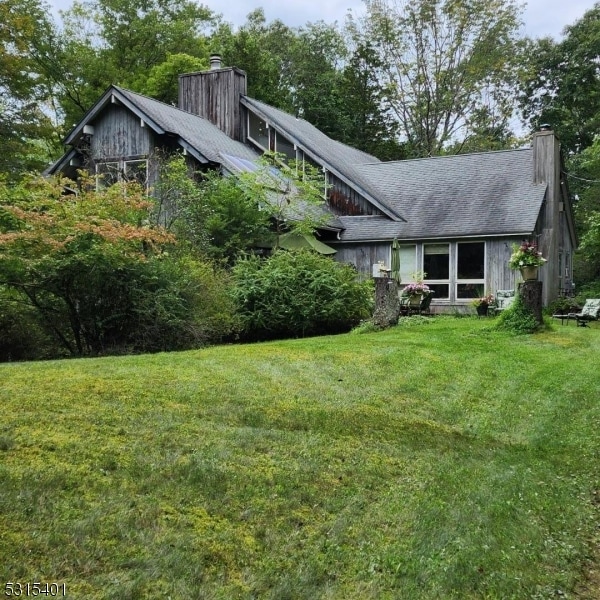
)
(448, 67)
(298, 294)
(517, 318)
(221, 218)
(24, 120)
(135, 44)
(291, 195)
(100, 280)
(562, 306)
(562, 83)
(163, 78)
(22, 336)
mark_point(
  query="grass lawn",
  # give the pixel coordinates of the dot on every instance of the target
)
(428, 462)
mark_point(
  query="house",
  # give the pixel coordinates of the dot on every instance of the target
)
(455, 217)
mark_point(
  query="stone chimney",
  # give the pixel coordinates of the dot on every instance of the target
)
(215, 95)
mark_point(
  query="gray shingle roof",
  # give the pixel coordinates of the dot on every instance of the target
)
(339, 158)
(199, 133)
(489, 193)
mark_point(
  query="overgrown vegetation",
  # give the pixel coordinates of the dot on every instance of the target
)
(445, 461)
(89, 271)
(298, 294)
(517, 318)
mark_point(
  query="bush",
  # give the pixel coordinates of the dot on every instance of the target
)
(517, 318)
(179, 303)
(563, 306)
(297, 294)
(21, 335)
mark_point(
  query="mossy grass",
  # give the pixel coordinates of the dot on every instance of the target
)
(446, 461)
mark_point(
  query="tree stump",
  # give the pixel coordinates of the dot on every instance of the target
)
(531, 295)
(387, 302)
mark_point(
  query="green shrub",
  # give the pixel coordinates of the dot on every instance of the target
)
(179, 303)
(563, 306)
(517, 318)
(588, 290)
(297, 294)
(21, 335)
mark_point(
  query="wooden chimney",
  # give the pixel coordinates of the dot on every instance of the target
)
(215, 96)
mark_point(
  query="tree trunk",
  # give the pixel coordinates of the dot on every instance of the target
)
(387, 303)
(531, 295)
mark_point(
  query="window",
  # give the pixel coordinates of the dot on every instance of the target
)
(470, 270)
(136, 170)
(107, 174)
(285, 146)
(408, 263)
(258, 130)
(436, 264)
(110, 172)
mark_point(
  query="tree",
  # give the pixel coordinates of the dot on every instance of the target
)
(562, 83)
(292, 195)
(262, 50)
(370, 126)
(23, 124)
(583, 175)
(163, 79)
(134, 44)
(442, 61)
(98, 276)
(227, 216)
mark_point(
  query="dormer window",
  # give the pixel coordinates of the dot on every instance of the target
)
(258, 131)
(285, 146)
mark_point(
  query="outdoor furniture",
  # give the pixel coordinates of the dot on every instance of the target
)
(408, 307)
(589, 312)
(504, 298)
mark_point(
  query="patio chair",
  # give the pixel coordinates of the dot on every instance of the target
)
(589, 312)
(504, 298)
(425, 304)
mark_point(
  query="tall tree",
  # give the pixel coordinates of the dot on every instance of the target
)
(562, 84)
(122, 42)
(23, 124)
(371, 126)
(443, 61)
(262, 50)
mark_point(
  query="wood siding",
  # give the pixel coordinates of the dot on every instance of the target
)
(344, 200)
(118, 133)
(363, 256)
(215, 96)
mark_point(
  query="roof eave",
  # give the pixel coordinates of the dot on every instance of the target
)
(431, 237)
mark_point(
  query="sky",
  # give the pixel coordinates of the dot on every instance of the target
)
(542, 17)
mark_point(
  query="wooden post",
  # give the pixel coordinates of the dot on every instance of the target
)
(387, 303)
(531, 295)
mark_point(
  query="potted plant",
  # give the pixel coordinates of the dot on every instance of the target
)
(527, 258)
(482, 304)
(415, 292)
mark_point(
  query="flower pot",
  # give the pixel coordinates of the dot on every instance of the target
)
(482, 310)
(414, 300)
(529, 273)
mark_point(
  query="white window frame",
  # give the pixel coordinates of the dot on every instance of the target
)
(471, 281)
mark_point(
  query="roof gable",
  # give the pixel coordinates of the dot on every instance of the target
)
(199, 137)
